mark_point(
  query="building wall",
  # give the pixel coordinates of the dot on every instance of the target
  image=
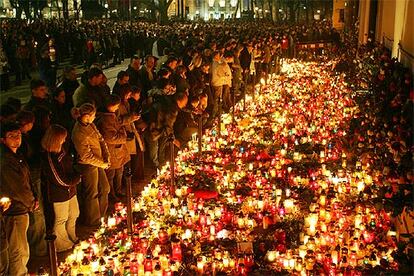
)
(385, 22)
(394, 27)
(407, 39)
(408, 32)
(337, 21)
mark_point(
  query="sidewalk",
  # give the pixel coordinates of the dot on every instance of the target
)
(23, 92)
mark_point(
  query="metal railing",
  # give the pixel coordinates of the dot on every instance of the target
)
(387, 42)
(405, 57)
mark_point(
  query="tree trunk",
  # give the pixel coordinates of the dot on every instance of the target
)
(65, 7)
(262, 7)
(58, 8)
(269, 3)
(237, 8)
(163, 10)
(307, 11)
(291, 12)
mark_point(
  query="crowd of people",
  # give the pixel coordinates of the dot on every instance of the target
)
(70, 146)
(42, 44)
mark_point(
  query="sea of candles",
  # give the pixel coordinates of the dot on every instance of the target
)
(279, 179)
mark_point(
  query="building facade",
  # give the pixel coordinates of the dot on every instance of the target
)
(389, 22)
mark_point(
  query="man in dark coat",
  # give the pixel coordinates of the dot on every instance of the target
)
(246, 58)
(133, 71)
(69, 84)
(39, 96)
(147, 76)
(90, 91)
(121, 79)
(15, 184)
(161, 126)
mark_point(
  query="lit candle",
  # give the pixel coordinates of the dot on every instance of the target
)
(334, 257)
(176, 251)
(271, 256)
(200, 265)
(225, 262)
(289, 204)
(111, 222)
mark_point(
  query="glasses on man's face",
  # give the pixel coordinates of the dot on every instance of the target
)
(14, 136)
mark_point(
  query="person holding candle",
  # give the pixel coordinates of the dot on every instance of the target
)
(15, 184)
(4, 254)
(60, 181)
(93, 159)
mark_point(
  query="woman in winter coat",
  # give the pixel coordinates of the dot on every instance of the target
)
(93, 159)
(60, 182)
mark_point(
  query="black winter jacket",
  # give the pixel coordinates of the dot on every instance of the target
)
(15, 182)
(58, 176)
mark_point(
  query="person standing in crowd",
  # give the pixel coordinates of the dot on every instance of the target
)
(285, 46)
(185, 125)
(15, 184)
(26, 121)
(162, 59)
(218, 79)
(69, 84)
(60, 111)
(4, 69)
(48, 64)
(121, 79)
(31, 150)
(245, 61)
(130, 119)
(161, 126)
(23, 62)
(171, 64)
(180, 80)
(146, 75)
(39, 95)
(90, 53)
(93, 160)
(227, 80)
(90, 91)
(37, 229)
(237, 71)
(267, 57)
(115, 137)
(133, 71)
(60, 183)
(134, 101)
(116, 48)
(195, 76)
